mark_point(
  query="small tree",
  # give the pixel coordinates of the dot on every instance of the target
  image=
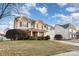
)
(16, 34)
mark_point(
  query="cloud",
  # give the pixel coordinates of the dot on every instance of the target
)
(63, 17)
(42, 10)
(24, 9)
(72, 9)
(21, 13)
(76, 5)
(14, 14)
(75, 16)
(30, 5)
(62, 4)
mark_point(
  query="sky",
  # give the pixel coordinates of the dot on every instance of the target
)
(49, 13)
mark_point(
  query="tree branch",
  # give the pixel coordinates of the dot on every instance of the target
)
(2, 13)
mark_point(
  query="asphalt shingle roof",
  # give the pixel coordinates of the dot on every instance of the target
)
(67, 26)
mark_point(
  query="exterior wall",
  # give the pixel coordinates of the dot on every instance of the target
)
(23, 25)
(62, 31)
(41, 33)
(39, 25)
(71, 34)
(51, 33)
(65, 32)
(45, 33)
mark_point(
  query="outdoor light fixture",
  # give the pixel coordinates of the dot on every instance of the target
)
(70, 30)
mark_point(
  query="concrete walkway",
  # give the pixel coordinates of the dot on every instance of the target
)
(72, 53)
(70, 43)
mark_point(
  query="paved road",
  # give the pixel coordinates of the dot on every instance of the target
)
(72, 53)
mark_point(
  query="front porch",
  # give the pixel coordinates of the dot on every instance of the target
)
(37, 32)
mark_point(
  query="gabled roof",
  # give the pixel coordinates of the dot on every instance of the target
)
(33, 21)
(50, 26)
(28, 19)
(66, 25)
(23, 17)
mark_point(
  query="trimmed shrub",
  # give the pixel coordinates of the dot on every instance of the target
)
(16, 34)
(58, 37)
(31, 38)
(40, 38)
(47, 37)
(43, 38)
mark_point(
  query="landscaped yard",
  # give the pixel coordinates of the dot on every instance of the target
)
(33, 47)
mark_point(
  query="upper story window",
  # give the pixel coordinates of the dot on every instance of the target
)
(20, 24)
(45, 26)
(27, 24)
(42, 26)
(37, 26)
(32, 25)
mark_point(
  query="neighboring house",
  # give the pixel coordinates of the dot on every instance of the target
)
(2, 37)
(34, 27)
(2, 33)
(67, 31)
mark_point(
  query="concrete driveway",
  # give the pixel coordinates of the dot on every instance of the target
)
(74, 40)
(70, 42)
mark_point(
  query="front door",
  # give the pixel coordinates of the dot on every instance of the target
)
(35, 34)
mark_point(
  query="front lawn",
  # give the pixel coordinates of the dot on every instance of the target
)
(33, 48)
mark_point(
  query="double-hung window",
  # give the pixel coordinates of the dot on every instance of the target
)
(20, 24)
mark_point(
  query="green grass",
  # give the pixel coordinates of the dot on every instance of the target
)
(33, 48)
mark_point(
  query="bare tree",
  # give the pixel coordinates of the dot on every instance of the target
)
(3, 9)
(7, 8)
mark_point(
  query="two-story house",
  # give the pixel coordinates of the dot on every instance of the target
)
(67, 31)
(34, 27)
(39, 28)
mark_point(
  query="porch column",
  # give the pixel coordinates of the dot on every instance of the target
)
(45, 33)
(31, 33)
(38, 33)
